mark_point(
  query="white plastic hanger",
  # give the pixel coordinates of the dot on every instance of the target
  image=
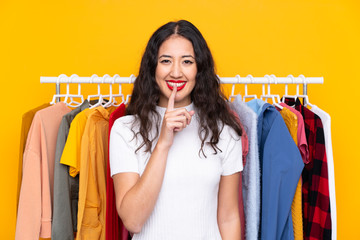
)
(98, 95)
(58, 95)
(112, 100)
(127, 99)
(298, 95)
(306, 98)
(110, 96)
(68, 96)
(274, 97)
(286, 90)
(71, 97)
(129, 95)
(232, 95)
(246, 89)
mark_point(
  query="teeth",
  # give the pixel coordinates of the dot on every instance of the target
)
(172, 84)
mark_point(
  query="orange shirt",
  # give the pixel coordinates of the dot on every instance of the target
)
(291, 122)
(92, 179)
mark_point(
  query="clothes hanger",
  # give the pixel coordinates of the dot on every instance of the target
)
(127, 99)
(110, 96)
(55, 96)
(274, 97)
(98, 95)
(129, 95)
(71, 97)
(112, 100)
(232, 95)
(286, 90)
(68, 96)
(305, 97)
(246, 89)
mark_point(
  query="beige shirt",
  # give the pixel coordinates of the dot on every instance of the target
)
(35, 201)
(27, 119)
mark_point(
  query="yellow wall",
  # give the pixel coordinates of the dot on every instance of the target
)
(314, 38)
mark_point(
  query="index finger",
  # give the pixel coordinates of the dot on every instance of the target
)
(171, 101)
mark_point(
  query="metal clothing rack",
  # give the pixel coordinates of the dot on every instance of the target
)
(249, 79)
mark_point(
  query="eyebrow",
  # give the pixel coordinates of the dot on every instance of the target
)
(184, 56)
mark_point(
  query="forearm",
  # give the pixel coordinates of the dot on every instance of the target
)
(138, 203)
(231, 229)
(228, 208)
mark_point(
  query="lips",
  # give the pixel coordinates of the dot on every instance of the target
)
(178, 83)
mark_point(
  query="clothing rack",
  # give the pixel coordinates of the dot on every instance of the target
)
(249, 79)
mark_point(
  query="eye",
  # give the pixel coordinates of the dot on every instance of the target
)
(165, 61)
(188, 62)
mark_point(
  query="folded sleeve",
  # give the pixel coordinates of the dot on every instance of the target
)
(232, 160)
(122, 149)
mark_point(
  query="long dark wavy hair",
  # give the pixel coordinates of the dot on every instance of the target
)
(206, 96)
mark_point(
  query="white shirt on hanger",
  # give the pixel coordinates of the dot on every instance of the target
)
(326, 121)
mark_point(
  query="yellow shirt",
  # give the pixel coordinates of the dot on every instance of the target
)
(291, 122)
(71, 153)
(92, 179)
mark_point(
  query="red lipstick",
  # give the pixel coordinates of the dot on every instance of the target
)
(174, 83)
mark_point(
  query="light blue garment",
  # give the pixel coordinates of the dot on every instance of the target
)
(251, 172)
(281, 167)
(256, 105)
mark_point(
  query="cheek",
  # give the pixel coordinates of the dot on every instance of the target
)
(160, 73)
(158, 77)
(193, 76)
(191, 73)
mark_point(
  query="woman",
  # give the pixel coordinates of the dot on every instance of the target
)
(176, 157)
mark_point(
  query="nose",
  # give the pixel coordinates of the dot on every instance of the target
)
(176, 71)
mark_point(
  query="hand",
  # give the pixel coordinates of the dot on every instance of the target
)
(174, 121)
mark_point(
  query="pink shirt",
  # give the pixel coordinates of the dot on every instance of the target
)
(302, 143)
(36, 193)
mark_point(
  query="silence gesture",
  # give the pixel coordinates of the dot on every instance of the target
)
(174, 121)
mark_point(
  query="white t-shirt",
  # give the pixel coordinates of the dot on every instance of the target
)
(326, 121)
(186, 207)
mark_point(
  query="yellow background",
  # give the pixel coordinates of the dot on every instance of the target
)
(258, 37)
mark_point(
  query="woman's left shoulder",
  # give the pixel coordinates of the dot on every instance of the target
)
(228, 132)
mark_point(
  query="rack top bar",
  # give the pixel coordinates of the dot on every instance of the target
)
(226, 80)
